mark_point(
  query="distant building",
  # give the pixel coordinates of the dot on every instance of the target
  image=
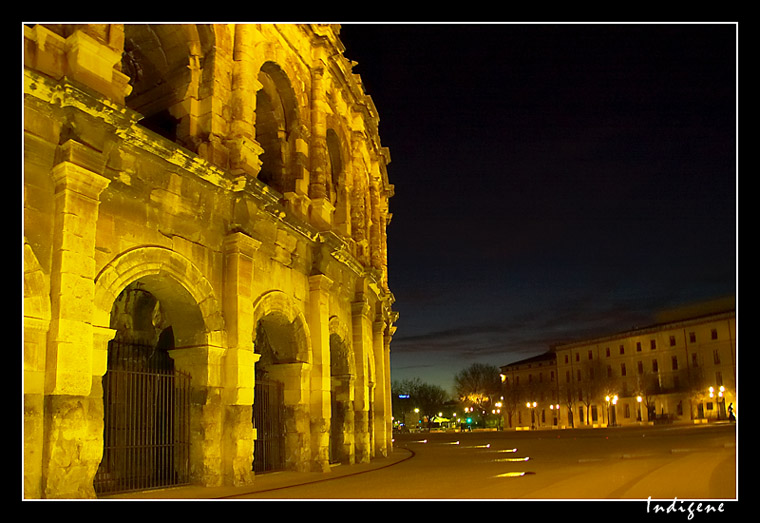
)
(680, 371)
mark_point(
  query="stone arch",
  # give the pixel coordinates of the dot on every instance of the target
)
(186, 295)
(282, 328)
(164, 63)
(282, 339)
(277, 128)
(341, 351)
(190, 308)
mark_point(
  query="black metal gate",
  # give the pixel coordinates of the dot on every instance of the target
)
(147, 431)
(268, 406)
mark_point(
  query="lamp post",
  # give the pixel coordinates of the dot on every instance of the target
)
(555, 409)
(532, 407)
(607, 399)
(720, 401)
(638, 400)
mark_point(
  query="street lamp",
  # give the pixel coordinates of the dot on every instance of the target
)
(613, 400)
(720, 400)
(555, 409)
(532, 407)
(638, 400)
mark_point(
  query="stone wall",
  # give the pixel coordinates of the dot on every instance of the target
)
(194, 161)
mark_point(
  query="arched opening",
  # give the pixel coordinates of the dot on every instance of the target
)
(276, 118)
(341, 413)
(282, 345)
(146, 436)
(163, 62)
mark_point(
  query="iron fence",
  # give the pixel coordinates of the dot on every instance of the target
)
(147, 422)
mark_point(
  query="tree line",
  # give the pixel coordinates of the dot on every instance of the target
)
(476, 389)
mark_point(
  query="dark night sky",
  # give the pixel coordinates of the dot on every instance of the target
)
(553, 181)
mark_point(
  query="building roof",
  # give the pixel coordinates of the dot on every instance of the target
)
(546, 356)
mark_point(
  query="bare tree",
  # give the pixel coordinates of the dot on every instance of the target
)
(479, 386)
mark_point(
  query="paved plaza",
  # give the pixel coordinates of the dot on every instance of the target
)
(664, 463)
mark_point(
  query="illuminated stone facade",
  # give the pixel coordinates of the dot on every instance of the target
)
(678, 371)
(233, 175)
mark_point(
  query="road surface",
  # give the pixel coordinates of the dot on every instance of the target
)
(665, 463)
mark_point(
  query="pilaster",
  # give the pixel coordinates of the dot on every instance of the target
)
(319, 326)
(238, 317)
(70, 349)
(362, 342)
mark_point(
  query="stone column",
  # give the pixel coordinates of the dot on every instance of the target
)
(362, 341)
(205, 365)
(73, 423)
(244, 150)
(382, 390)
(319, 319)
(297, 379)
(321, 208)
(239, 359)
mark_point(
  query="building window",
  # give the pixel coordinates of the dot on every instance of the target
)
(579, 375)
(719, 378)
(672, 341)
(607, 351)
(638, 346)
(590, 355)
(674, 359)
(714, 334)
(622, 369)
(530, 378)
(551, 376)
(566, 359)
(577, 356)
(622, 349)
(627, 411)
(654, 365)
(653, 344)
(567, 376)
(692, 337)
(609, 371)
(694, 360)
(716, 357)
(640, 366)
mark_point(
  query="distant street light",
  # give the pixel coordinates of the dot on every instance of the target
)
(532, 407)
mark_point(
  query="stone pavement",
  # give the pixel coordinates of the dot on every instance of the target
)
(264, 482)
